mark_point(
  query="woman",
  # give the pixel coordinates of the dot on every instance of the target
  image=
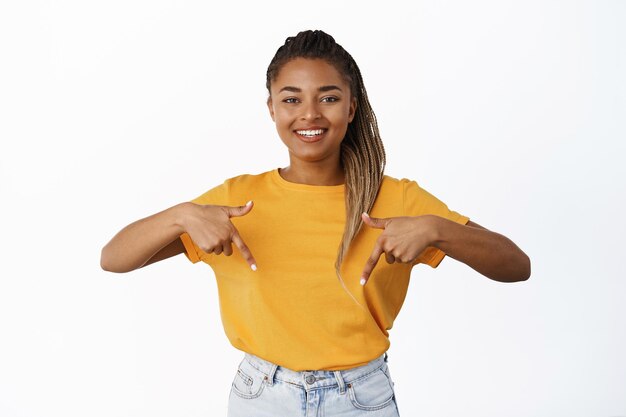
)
(305, 296)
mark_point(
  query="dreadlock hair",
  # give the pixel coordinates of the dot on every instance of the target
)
(362, 152)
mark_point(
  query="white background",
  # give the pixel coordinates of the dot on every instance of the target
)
(510, 112)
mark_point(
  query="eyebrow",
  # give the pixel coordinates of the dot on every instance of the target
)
(299, 90)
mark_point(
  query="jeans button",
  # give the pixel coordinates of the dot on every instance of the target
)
(310, 379)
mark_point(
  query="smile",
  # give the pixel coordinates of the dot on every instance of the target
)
(311, 135)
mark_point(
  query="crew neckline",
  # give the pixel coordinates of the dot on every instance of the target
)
(305, 187)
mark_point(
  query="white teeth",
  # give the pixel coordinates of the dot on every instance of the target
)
(310, 132)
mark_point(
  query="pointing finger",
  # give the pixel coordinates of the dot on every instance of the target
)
(374, 221)
(371, 263)
(240, 210)
(243, 248)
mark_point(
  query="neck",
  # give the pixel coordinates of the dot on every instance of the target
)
(303, 172)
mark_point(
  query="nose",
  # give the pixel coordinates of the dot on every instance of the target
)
(311, 111)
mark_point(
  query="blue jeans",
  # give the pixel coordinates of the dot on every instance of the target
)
(264, 389)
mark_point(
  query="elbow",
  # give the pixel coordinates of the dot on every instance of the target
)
(524, 269)
(519, 271)
(106, 267)
(104, 261)
(106, 264)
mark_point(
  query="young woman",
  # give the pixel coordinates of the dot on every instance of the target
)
(305, 296)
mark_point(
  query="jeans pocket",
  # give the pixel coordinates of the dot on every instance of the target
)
(372, 391)
(385, 369)
(249, 382)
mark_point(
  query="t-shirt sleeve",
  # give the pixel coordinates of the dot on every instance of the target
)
(193, 252)
(419, 202)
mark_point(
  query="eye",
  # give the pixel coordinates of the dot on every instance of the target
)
(287, 100)
(330, 99)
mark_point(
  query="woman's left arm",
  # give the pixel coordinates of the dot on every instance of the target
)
(490, 253)
(405, 238)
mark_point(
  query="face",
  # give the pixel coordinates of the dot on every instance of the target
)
(311, 105)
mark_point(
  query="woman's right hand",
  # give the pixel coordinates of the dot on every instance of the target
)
(209, 226)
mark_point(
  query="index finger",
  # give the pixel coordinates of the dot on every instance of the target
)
(371, 263)
(243, 248)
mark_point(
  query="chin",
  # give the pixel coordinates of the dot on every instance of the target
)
(309, 157)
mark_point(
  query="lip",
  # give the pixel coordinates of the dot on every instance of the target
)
(311, 139)
(311, 128)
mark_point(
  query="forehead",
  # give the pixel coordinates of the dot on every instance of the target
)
(303, 72)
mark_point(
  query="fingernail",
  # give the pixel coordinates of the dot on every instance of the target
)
(248, 203)
(366, 215)
(363, 281)
(253, 266)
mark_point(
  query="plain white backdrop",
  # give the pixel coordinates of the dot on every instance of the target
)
(511, 112)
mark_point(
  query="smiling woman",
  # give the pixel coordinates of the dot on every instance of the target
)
(312, 106)
(329, 215)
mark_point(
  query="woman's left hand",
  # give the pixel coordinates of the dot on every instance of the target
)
(403, 239)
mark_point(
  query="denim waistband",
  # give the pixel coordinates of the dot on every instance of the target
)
(314, 379)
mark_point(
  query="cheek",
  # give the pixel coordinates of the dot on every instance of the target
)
(283, 116)
(283, 125)
(342, 115)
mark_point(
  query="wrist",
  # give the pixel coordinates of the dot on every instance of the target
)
(436, 230)
(179, 214)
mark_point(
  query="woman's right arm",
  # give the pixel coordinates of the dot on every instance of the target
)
(135, 245)
(157, 237)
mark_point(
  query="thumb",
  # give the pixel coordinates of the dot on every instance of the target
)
(240, 210)
(374, 221)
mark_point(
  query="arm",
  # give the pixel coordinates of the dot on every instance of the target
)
(405, 238)
(145, 241)
(489, 253)
(157, 237)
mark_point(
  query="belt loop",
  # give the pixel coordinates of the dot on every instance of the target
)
(342, 387)
(271, 373)
(386, 356)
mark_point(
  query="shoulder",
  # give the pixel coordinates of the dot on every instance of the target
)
(409, 196)
(233, 188)
(247, 180)
(390, 198)
(398, 185)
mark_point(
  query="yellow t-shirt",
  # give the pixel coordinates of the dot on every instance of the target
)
(293, 311)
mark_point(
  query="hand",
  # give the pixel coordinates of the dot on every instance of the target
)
(403, 240)
(209, 226)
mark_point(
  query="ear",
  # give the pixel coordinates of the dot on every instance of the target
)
(352, 109)
(270, 106)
